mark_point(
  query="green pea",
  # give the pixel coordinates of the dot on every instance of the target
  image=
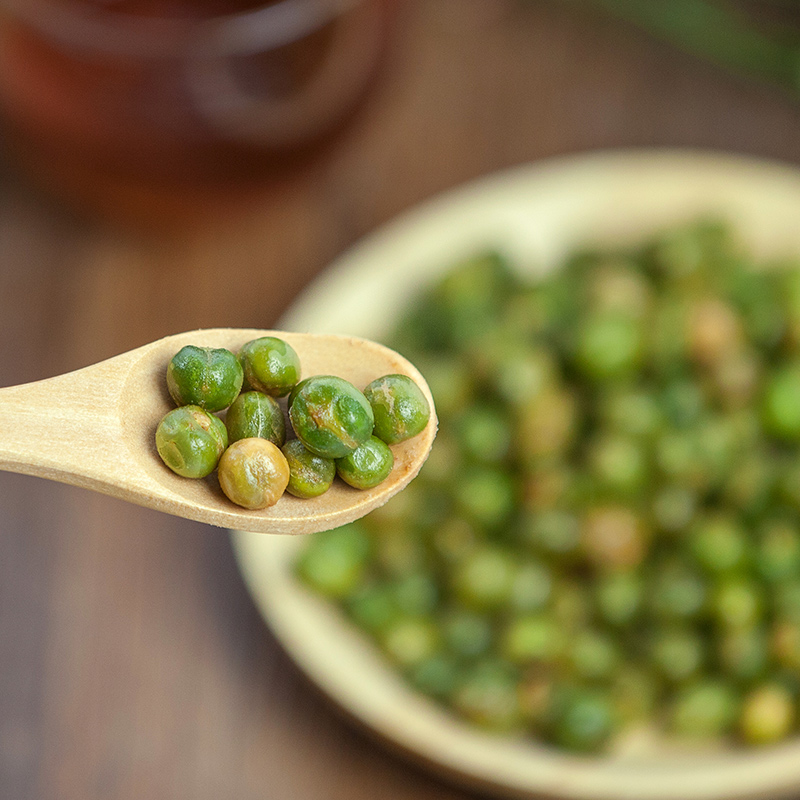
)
(416, 593)
(677, 654)
(719, 543)
(467, 634)
(704, 710)
(619, 597)
(532, 639)
(310, 475)
(484, 433)
(204, 376)
(609, 346)
(254, 415)
(270, 365)
(335, 562)
(331, 417)
(786, 599)
(367, 466)
(546, 425)
(253, 473)
(400, 409)
(552, 533)
(584, 720)
(619, 463)
(614, 537)
(674, 508)
(635, 694)
(373, 605)
(744, 653)
(593, 655)
(484, 580)
(437, 676)
(780, 407)
(778, 550)
(785, 644)
(486, 495)
(631, 411)
(737, 602)
(409, 641)
(488, 697)
(532, 588)
(677, 592)
(190, 441)
(767, 715)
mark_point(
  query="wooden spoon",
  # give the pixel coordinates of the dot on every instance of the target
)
(95, 428)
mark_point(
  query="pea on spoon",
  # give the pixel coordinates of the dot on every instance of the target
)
(94, 428)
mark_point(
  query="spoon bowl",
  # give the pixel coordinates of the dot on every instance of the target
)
(95, 428)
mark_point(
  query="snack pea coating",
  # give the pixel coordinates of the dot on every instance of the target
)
(330, 416)
(190, 441)
(400, 408)
(253, 473)
(367, 466)
(204, 376)
(270, 365)
(255, 415)
(310, 475)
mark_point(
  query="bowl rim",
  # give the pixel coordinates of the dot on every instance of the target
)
(534, 213)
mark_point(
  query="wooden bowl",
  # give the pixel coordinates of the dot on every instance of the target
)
(536, 214)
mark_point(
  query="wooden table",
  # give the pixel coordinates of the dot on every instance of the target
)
(132, 663)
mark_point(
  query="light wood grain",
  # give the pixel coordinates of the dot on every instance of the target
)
(95, 428)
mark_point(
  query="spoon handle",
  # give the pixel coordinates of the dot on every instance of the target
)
(64, 428)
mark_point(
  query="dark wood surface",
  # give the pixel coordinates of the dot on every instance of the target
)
(133, 665)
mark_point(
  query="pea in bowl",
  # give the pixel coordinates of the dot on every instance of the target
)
(592, 589)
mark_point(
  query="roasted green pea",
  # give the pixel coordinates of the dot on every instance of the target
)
(737, 602)
(270, 365)
(486, 495)
(778, 550)
(584, 720)
(677, 592)
(485, 579)
(254, 415)
(614, 537)
(744, 653)
(619, 597)
(400, 408)
(204, 376)
(484, 433)
(610, 345)
(310, 475)
(768, 714)
(488, 697)
(467, 634)
(704, 710)
(593, 655)
(719, 544)
(253, 473)
(335, 561)
(410, 640)
(552, 533)
(781, 403)
(330, 416)
(190, 441)
(438, 676)
(367, 466)
(677, 654)
(532, 639)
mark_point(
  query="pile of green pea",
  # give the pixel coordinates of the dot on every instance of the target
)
(606, 536)
(339, 430)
